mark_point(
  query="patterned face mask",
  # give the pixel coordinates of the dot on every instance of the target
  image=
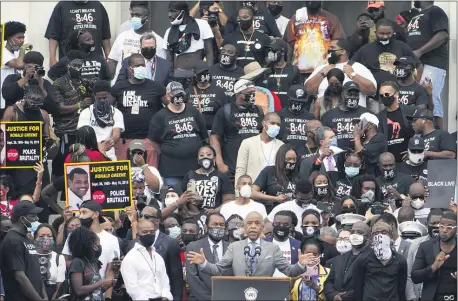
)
(44, 244)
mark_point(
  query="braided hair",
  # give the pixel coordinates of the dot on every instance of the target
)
(73, 40)
(81, 243)
(86, 136)
(78, 153)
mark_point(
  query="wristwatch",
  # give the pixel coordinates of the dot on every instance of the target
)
(352, 75)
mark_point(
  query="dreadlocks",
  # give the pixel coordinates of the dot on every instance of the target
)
(356, 189)
(86, 136)
(81, 243)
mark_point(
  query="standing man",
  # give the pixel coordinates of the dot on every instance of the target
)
(400, 245)
(143, 269)
(188, 40)
(18, 256)
(214, 247)
(282, 225)
(309, 32)
(275, 8)
(428, 35)
(257, 265)
(376, 10)
(381, 265)
(68, 16)
(435, 262)
(415, 165)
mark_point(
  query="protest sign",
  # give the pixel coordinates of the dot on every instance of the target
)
(441, 183)
(107, 183)
(20, 144)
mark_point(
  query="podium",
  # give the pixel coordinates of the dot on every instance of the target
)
(250, 288)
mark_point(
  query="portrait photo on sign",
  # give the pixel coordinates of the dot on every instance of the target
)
(78, 186)
(2, 144)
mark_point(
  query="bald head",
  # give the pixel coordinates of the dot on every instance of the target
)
(386, 158)
(416, 190)
(406, 213)
(145, 225)
(361, 227)
(312, 125)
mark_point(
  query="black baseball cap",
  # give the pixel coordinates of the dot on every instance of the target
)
(200, 67)
(405, 60)
(23, 208)
(94, 206)
(297, 93)
(416, 143)
(421, 113)
(350, 85)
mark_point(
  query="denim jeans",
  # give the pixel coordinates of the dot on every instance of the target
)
(437, 77)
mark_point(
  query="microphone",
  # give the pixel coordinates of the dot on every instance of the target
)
(246, 252)
(257, 251)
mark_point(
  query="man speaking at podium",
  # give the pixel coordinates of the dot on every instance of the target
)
(253, 256)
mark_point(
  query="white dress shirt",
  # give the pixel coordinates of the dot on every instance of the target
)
(219, 250)
(145, 275)
(329, 160)
(397, 243)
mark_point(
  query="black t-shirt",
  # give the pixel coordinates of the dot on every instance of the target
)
(439, 140)
(340, 122)
(415, 171)
(207, 101)
(18, 253)
(180, 136)
(225, 79)
(90, 272)
(446, 283)
(293, 127)
(138, 104)
(281, 79)
(420, 31)
(412, 95)
(242, 124)
(68, 16)
(303, 152)
(372, 150)
(269, 184)
(344, 185)
(263, 22)
(254, 51)
(380, 59)
(398, 134)
(211, 188)
(94, 66)
(401, 183)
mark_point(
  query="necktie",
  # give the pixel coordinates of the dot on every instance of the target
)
(215, 253)
(253, 259)
(329, 163)
(149, 66)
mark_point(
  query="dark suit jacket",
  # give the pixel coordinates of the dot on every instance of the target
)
(169, 250)
(200, 285)
(340, 276)
(308, 166)
(164, 71)
(421, 270)
(295, 246)
(383, 127)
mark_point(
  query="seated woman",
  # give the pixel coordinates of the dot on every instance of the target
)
(311, 284)
(332, 96)
(275, 184)
(86, 137)
(352, 167)
(323, 192)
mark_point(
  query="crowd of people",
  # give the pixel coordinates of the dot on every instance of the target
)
(259, 145)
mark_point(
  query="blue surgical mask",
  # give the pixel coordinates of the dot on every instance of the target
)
(174, 232)
(273, 130)
(333, 142)
(136, 23)
(140, 72)
(34, 227)
(351, 171)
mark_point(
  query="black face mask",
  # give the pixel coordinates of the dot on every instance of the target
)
(387, 100)
(349, 209)
(203, 78)
(333, 57)
(303, 203)
(188, 238)
(290, 166)
(389, 174)
(281, 232)
(351, 103)
(417, 4)
(321, 191)
(75, 74)
(275, 9)
(227, 61)
(147, 240)
(335, 89)
(206, 163)
(250, 98)
(97, 251)
(87, 47)
(86, 222)
(177, 100)
(32, 105)
(148, 52)
(296, 106)
(245, 24)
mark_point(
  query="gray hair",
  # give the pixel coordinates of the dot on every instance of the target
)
(328, 231)
(319, 134)
(148, 36)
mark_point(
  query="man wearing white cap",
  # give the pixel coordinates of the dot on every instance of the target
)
(368, 142)
(236, 121)
(411, 230)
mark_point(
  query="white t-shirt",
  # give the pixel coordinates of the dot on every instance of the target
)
(231, 208)
(110, 249)
(87, 118)
(357, 67)
(205, 33)
(282, 23)
(56, 272)
(268, 152)
(5, 71)
(285, 248)
(154, 171)
(294, 207)
(75, 201)
(127, 43)
(127, 25)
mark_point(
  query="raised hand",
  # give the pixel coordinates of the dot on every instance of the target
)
(307, 259)
(196, 258)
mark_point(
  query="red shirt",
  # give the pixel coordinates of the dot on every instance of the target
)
(94, 155)
(4, 210)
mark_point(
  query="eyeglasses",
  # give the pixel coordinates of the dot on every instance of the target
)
(147, 216)
(281, 224)
(343, 239)
(449, 228)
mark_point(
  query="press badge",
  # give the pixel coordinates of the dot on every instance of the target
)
(135, 108)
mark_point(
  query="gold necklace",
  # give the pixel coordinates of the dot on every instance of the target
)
(247, 42)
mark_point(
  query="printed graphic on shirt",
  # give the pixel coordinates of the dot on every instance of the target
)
(396, 130)
(247, 123)
(84, 18)
(312, 43)
(130, 99)
(386, 61)
(208, 190)
(129, 47)
(413, 28)
(343, 128)
(91, 69)
(183, 128)
(259, 23)
(342, 189)
(225, 82)
(31, 248)
(203, 102)
(296, 129)
(406, 97)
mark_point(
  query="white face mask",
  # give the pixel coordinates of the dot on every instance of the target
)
(343, 246)
(356, 239)
(381, 244)
(179, 19)
(245, 191)
(417, 203)
(416, 159)
(170, 201)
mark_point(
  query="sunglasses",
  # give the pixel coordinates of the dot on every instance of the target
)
(449, 228)
(147, 216)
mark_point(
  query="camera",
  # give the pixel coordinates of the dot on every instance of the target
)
(213, 18)
(378, 207)
(40, 71)
(87, 85)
